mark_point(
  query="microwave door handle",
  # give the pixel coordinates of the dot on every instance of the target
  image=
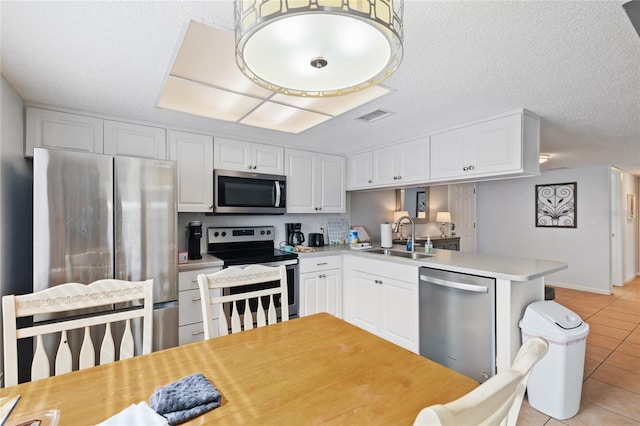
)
(277, 194)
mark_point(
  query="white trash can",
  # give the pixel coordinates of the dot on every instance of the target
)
(555, 383)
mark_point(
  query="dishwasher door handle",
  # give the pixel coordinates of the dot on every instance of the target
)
(453, 284)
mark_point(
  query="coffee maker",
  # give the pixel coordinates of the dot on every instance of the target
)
(295, 237)
(194, 234)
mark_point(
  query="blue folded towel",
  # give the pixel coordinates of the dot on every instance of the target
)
(185, 399)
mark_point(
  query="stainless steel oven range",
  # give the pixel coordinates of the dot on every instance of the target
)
(243, 246)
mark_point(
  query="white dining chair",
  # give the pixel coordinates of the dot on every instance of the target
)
(225, 295)
(496, 401)
(74, 299)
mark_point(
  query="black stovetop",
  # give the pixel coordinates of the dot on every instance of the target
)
(250, 256)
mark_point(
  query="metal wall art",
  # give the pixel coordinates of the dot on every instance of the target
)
(556, 205)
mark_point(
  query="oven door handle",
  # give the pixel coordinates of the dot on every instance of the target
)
(277, 184)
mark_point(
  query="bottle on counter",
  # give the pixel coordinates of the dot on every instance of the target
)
(409, 244)
(428, 246)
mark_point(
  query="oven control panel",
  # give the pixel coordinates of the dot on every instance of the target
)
(240, 234)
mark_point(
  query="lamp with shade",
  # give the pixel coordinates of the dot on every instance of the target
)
(444, 218)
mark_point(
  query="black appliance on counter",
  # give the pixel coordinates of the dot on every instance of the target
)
(244, 246)
(194, 234)
(295, 237)
(316, 240)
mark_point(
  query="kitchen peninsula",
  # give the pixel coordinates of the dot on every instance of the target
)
(518, 282)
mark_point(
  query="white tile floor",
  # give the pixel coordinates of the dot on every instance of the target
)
(611, 387)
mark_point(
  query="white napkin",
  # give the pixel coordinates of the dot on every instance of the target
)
(136, 415)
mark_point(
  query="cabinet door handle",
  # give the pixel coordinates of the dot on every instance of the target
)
(471, 167)
(195, 280)
(323, 263)
(399, 177)
(195, 333)
(195, 299)
(211, 207)
(369, 181)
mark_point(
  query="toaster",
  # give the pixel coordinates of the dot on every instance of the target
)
(316, 240)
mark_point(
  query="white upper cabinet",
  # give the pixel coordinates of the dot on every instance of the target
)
(134, 140)
(360, 169)
(503, 146)
(194, 154)
(400, 164)
(395, 165)
(53, 129)
(316, 183)
(248, 157)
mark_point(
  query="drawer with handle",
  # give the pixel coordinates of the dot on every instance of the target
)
(188, 280)
(321, 263)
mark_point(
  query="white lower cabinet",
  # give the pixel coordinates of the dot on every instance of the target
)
(190, 328)
(321, 285)
(382, 298)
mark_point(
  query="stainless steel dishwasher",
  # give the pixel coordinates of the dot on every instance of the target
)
(457, 322)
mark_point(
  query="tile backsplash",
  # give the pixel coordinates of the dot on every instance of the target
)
(310, 223)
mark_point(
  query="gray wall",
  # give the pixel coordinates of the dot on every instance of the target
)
(15, 197)
(506, 226)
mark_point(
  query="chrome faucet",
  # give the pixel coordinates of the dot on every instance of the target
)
(413, 230)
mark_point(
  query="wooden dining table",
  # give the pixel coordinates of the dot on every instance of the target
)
(312, 370)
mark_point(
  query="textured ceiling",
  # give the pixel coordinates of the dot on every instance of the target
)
(576, 64)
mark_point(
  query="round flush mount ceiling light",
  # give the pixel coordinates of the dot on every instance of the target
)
(318, 48)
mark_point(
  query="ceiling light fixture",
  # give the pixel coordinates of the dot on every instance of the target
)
(318, 48)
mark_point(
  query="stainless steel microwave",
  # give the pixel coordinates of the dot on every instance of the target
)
(248, 193)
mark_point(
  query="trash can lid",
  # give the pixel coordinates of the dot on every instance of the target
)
(549, 317)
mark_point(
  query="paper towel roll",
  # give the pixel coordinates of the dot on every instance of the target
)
(385, 235)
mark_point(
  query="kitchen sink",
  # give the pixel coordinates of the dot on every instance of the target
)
(400, 253)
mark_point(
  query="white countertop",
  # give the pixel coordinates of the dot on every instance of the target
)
(502, 267)
(207, 261)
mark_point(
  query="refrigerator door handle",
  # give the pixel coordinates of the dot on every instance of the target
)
(457, 286)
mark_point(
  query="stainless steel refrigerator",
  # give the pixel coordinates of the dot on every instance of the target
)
(97, 216)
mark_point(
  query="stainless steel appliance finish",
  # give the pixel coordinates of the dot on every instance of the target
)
(243, 246)
(97, 216)
(248, 193)
(457, 322)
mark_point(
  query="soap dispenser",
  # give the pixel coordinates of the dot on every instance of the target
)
(428, 246)
(409, 244)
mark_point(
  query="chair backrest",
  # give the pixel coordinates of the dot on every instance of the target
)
(229, 295)
(496, 401)
(80, 302)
